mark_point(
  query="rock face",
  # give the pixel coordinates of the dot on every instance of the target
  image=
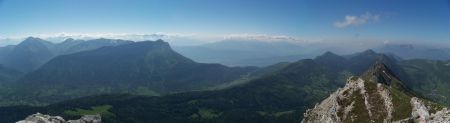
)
(41, 118)
(377, 96)
(87, 119)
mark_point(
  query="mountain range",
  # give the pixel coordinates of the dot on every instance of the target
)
(147, 81)
(144, 68)
(246, 53)
(260, 53)
(281, 95)
(411, 51)
(31, 53)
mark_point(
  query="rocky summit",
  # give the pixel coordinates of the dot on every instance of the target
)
(41, 118)
(377, 96)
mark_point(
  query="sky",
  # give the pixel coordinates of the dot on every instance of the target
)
(384, 21)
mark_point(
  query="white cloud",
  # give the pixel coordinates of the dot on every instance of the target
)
(386, 42)
(351, 20)
(262, 37)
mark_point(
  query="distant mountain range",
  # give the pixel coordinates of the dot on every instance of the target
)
(146, 68)
(246, 53)
(409, 51)
(259, 53)
(34, 52)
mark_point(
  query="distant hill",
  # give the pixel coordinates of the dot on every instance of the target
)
(29, 54)
(34, 52)
(246, 53)
(260, 53)
(147, 68)
(410, 51)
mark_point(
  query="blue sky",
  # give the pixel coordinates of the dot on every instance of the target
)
(377, 20)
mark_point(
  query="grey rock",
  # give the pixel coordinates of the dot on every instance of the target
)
(87, 119)
(41, 118)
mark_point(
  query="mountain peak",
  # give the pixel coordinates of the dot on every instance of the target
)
(35, 42)
(369, 51)
(69, 39)
(379, 72)
(160, 43)
(376, 96)
(329, 53)
(32, 39)
(331, 60)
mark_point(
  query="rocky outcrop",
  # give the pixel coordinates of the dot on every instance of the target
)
(41, 118)
(376, 97)
(87, 119)
(421, 113)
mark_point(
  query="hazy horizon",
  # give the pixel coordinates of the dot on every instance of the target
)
(365, 23)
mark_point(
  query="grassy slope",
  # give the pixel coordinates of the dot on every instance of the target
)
(430, 78)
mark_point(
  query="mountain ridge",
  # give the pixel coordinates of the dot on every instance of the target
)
(33, 52)
(146, 68)
(375, 96)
